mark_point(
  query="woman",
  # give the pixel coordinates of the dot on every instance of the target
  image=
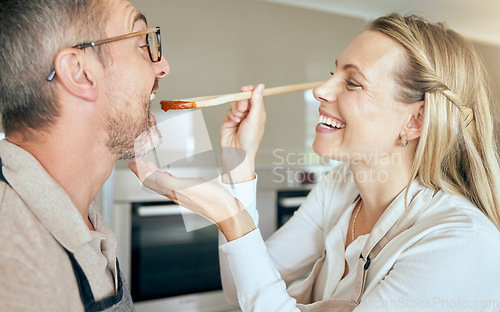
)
(411, 222)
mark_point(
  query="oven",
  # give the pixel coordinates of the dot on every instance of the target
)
(167, 266)
(287, 202)
(167, 260)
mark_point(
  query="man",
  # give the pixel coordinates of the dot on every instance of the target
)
(71, 104)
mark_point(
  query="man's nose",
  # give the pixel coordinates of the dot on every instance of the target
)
(162, 68)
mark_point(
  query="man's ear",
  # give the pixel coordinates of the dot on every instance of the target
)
(413, 127)
(73, 72)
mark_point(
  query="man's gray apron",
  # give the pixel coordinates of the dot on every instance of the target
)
(120, 302)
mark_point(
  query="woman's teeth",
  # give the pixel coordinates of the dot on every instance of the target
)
(152, 97)
(328, 123)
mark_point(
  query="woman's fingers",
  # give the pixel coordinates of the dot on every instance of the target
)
(239, 109)
(257, 108)
(148, 175)
(246, 88)
(142, 169)
(230, 120)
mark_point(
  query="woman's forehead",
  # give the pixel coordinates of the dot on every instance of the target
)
(372, 52)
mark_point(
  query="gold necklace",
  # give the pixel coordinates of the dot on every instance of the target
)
(355, 217)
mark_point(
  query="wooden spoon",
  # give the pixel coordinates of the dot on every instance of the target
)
(205, 101)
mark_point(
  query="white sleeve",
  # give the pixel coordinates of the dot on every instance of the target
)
(252, 271)
(246, 194)
(428, 277)
(260, 287)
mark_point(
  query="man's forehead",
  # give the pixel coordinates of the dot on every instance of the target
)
(123, 14)
(131, 14)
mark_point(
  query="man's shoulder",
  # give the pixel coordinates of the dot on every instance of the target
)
(32, 263)
(30, 284)
(3, 189)
(11, 207)
(22, 235)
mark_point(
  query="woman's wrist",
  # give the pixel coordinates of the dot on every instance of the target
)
(236, 226)
(237, 168)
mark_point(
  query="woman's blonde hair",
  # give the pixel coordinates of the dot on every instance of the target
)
(456, 151)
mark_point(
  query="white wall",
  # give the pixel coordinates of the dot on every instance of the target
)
(215, 46)
(491, 57)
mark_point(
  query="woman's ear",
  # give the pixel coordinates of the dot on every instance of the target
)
(413, 127)
(73, 72)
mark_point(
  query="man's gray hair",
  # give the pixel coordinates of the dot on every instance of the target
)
(31, 34)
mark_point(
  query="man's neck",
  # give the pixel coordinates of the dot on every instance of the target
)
(79, 165)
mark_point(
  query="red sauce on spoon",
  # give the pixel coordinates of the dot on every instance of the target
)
(166, 105)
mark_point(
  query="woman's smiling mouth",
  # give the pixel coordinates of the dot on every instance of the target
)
(330, 123)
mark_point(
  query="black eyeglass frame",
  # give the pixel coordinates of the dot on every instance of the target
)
(146, 32)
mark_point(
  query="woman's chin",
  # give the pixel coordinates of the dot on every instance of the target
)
(326, 152)
(321, 150)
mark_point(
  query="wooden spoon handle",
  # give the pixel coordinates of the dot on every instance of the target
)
(225, 98)
(205, 101)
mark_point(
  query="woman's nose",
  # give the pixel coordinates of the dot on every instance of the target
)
(326, 91)
(162, 68)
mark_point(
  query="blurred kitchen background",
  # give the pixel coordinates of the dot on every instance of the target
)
(215, 47)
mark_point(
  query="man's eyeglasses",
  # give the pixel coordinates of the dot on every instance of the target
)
(153, 42)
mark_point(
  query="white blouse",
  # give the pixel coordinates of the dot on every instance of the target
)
(446, 261)
(346, 285)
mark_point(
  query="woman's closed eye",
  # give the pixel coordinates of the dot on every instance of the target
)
(349, 82)
(352, 84)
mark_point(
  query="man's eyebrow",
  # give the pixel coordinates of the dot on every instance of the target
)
(348, 66)
(139, 17)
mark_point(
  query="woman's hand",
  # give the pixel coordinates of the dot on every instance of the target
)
(205, 198)
(241, 133)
